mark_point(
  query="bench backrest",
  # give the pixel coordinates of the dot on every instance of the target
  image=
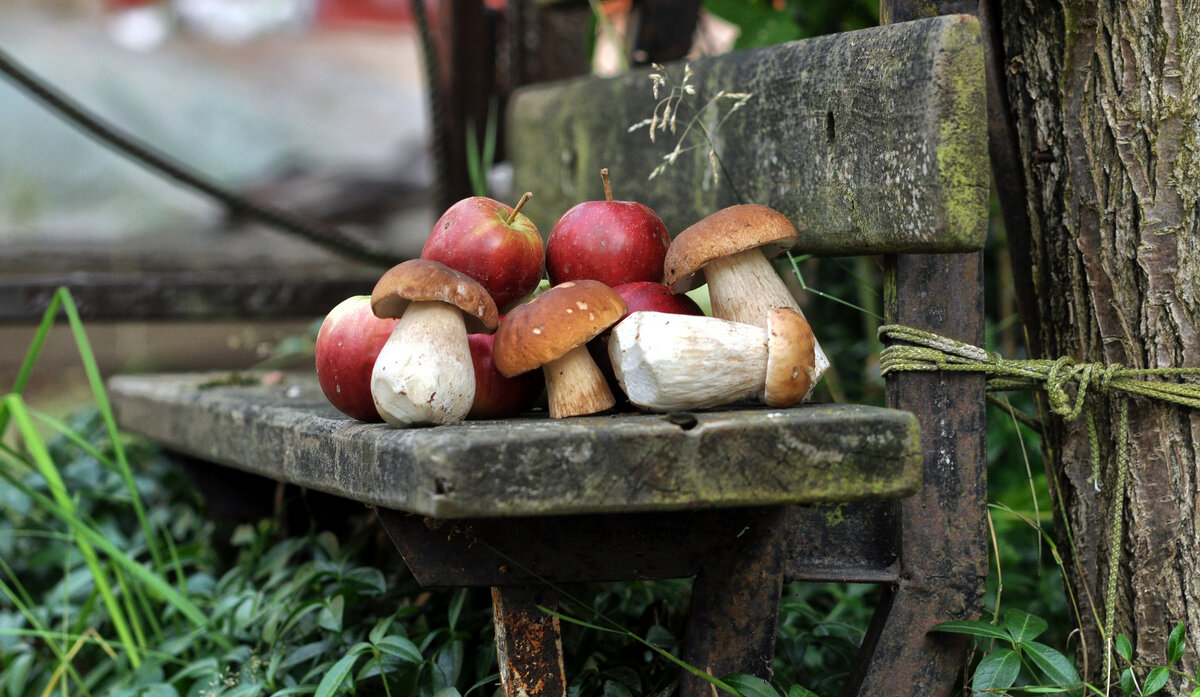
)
(872, 141)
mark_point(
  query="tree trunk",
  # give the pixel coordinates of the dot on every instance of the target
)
(1106, 102)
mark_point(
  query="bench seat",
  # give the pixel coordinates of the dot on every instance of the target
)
(529, 466)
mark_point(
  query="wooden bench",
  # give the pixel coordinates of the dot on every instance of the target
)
(872, 142)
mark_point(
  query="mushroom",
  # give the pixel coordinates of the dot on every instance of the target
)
(424, 373)
(668, 362)
(552, 332)
(732, 246)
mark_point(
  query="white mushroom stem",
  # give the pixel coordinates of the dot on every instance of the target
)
(743, 287)
(575, 385)
(667, 362)
(424, 373)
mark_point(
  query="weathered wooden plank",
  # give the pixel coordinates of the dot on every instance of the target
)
(531, 466)
(870, 141)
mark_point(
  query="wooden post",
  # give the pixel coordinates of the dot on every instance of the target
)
(528, 642)
(735, 605)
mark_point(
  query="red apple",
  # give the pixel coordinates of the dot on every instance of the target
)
(495, 245)
(613, 242)
(639, 296)
(348, 342)
(655, 297)
(498, 397)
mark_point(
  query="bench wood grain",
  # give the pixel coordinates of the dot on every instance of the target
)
(872, 141)
(532, 465)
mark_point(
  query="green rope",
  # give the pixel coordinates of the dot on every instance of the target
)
(925, 351)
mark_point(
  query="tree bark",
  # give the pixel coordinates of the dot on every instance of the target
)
(1106, 102)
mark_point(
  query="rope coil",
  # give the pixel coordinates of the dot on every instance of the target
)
(930, 352)
(926, 351)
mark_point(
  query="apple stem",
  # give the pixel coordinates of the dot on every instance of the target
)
(607, 186)
(517, 208)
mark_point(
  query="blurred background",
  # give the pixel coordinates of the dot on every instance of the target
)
(315, 106)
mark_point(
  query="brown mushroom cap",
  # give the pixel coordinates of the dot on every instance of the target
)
(728, 231)
(791, 358)
(424, 280)
(548, 327)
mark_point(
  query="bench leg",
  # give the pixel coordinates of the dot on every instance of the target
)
(735, 606)
(899, 657)
(528, 642)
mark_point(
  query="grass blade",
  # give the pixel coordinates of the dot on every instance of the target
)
(67, 512)
(715, 682)
(96, 381)
(31, 356)
(153, 583)
(62, 300)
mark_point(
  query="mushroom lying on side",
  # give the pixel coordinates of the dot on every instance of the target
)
(732, 246)
(668, 362)
(551, 332)
(424, 373)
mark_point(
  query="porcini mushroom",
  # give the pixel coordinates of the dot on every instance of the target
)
(424, 373)
(668, 362)
(732, 247)
(551, 332)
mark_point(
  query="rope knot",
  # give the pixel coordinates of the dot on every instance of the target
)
(1107, 376)
(1061, 373)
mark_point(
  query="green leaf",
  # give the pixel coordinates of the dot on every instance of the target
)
(1124, 649)
(1177, 643)
(379, 631)
(330, 616)
(1128, 686)
(996, 671)
(15, 682)
(370, 578)
(1195, 692)
(335, 678)
(456, 606)
(401, 648)
(974, 628)
(759, 23)
(750, 685)
(661, 637)
(798, 691)
(298, 690)
(447, 664)
(1023, 626)
(1053, 664)
(298, 614)
(1156, 680)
